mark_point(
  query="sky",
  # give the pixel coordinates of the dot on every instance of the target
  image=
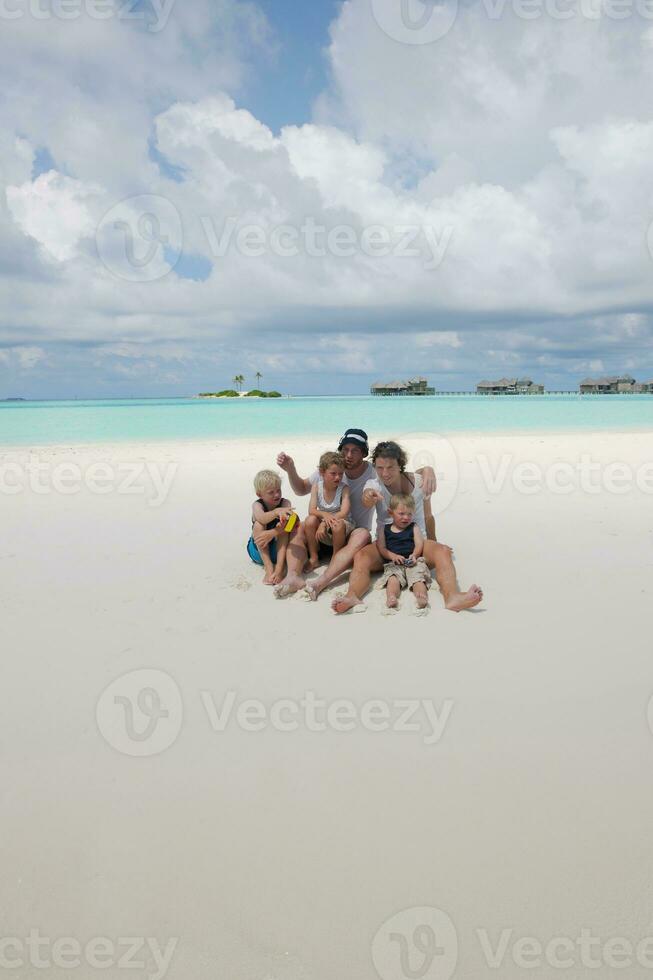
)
(330, 193)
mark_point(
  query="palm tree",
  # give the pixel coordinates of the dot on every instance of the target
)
(258, 379)
(238, 380)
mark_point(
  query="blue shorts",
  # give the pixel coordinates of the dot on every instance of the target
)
(255, 554)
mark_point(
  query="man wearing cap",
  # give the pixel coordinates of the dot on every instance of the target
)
(358, 470)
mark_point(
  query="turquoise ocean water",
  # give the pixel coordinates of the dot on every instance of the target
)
(70, 422)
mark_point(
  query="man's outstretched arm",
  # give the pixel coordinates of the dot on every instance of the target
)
(300, 486)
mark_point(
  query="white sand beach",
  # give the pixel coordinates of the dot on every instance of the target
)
(276, 840)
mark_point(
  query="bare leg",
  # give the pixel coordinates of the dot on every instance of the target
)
(438, 557)
(392, 591)
(366, 561)
(339, 537)
(282, 550)
(340, 562)
(311, 525)
(268, 567)
(296, 559)
(264, 552)
(421, 595)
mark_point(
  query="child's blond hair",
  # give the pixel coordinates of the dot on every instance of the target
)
(397, 499)
(266, 480)
(331, 459)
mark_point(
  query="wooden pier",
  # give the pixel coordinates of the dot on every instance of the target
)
(506, 394)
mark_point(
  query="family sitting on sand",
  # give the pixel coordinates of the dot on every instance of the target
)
(346, 490)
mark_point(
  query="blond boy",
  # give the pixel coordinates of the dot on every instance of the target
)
(270, 512)
(401, 543)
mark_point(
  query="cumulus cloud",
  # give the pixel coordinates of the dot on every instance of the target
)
(52, 210)
(29, 357)
(22, 358)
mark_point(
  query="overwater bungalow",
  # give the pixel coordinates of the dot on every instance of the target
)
(622, 384)
(509, 386)
(414, 386)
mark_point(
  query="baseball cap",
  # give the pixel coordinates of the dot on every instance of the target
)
(357, 437)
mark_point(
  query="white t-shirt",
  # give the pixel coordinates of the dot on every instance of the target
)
(382, 516)
(361, 516)
(323, 504)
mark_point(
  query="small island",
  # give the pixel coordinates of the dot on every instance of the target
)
(239, 380)
(230, 393)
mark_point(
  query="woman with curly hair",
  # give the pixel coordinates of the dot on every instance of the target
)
(390, 461)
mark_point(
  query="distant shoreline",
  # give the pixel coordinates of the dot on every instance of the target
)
(637, 396)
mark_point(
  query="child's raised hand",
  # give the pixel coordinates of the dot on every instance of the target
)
(283, 513)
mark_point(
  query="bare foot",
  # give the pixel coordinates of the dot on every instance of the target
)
(290, 585)
(343, 603)
(465, 600)
(315, 588)
(312, 563)
(310, 592)
(277, 576)
(392, 602)
(269, 578)
(422, 601)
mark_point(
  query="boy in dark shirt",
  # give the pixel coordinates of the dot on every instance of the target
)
(270, 512)
(401, 544)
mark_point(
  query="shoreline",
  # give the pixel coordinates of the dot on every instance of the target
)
(247, 440)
